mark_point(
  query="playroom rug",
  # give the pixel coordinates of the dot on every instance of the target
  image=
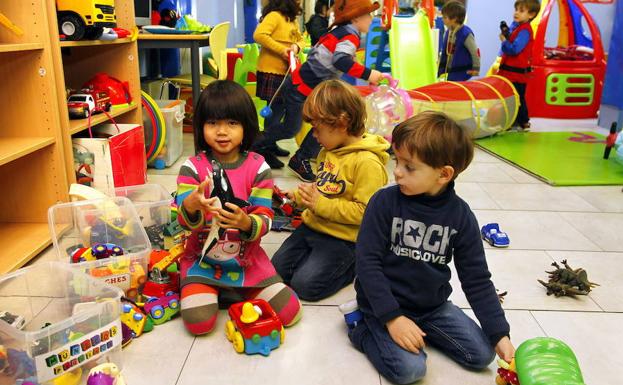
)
(558, 158)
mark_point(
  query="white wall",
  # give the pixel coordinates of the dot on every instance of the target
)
(213, 12)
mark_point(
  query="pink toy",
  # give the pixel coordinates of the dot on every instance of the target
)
(387, 106)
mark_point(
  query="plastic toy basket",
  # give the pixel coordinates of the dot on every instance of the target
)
(153, 206)
(77, 226)
(173, 142)
(69, 323)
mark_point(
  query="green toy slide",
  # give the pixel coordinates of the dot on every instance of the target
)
(411, 51)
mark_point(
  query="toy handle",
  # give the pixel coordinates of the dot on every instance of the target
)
(393, 83)
(109, 117)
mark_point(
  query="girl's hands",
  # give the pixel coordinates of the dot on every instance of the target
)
(309, 195)
(286, 54)
(235, 219)
(196, 200)
(406, 334)
(375, 77)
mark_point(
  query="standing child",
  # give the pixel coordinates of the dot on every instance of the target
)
(410, 233)
(225, 125)
(318, 259)
(460, 58)
(318, 23)
(278, 34)
(332, 56)
(517, 55)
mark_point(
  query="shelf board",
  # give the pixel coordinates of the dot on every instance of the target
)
(20, 47)
(14, 148)
(91, 43)
(78, 125)
(21, 242)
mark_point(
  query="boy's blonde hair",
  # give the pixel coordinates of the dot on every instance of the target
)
(532, 6)
(436, 140)
(336, 103)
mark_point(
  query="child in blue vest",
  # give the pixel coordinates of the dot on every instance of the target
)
(517, 55)
(460, 58)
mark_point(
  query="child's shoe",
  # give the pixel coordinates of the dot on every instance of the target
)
(302, 168)
(352, 314)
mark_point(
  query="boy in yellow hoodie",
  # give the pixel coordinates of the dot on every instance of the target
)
(318, 259)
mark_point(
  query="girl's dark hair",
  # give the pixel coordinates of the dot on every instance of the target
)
(320, 4)
(224, 99)
(290, 9)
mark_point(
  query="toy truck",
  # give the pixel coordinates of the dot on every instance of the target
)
(84, 104)
(85, 19)
(254, 327)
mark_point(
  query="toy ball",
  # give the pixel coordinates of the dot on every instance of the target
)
(386, 108)
(266, 112)
(496, 115)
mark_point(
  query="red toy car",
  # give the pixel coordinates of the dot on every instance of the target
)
(254, 327)
(84, 104)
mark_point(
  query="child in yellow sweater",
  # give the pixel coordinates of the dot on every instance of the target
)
(278, 34)
(318, 259)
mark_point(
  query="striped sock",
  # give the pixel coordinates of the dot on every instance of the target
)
(284, 301)
(199, 303)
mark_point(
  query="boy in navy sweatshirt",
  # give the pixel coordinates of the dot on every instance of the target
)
(409, 234)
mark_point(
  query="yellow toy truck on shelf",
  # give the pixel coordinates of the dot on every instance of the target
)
(85, 19)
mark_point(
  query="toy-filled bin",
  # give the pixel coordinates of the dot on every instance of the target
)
(65, 323)
(173, 113)
(103, 238)
(153, 206)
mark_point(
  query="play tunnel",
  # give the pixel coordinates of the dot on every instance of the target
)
(484, 106)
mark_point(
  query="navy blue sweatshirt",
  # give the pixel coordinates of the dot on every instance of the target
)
(403, 250)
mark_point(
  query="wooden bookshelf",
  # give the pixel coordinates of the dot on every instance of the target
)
(79, 125)
(32, 157)
(91, 43)
(20, 47)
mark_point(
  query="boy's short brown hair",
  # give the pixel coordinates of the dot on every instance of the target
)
(336, 103)
(436, 140)
(532, 6)
(454, 10)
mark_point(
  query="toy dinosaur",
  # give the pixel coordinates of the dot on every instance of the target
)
(567, 281)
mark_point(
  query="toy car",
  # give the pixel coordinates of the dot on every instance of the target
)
(160, 310)
(133, 322)
(254, 327)
(491, 234)
(84, 104)
(17, 321)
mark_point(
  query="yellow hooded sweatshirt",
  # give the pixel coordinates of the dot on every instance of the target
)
(347, 177)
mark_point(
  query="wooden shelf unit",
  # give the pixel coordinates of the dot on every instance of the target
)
(77, 62)
(32, 157)
(36, 158)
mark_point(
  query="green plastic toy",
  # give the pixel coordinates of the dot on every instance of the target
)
(547, 361)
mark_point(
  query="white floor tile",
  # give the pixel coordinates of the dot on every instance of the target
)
(316, 351)
(602, 268)
(519, 175)
(346, 294)
(516, 272)
(537, 230)
(602, 229)
(593, 337)
(513, 196)
(484, 172)
(144, 357)
(605, 198)
(475, 196)
(481, 156)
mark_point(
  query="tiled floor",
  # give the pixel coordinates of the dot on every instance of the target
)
(545, 224)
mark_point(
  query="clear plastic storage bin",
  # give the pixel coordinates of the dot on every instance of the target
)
(66, 323)
(85, 234)
(173, 142)
(153, 205)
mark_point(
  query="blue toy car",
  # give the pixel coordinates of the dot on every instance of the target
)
(491, 233)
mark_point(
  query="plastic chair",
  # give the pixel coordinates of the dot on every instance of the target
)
(218, 45)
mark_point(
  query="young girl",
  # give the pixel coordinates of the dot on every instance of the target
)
(225, 125)
(278, 34)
